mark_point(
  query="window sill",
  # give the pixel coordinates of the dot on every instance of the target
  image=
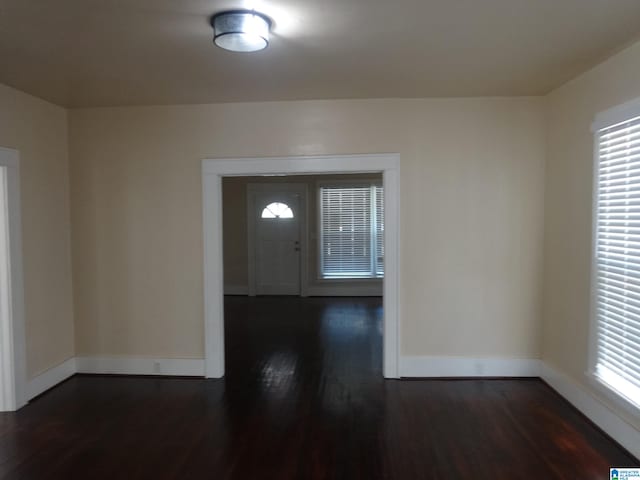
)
(613, 397)
(350, 280)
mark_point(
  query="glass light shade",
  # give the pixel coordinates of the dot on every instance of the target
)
(241, 30)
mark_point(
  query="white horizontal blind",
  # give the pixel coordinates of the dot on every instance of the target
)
(348, 233)
(617, 259)
(379, 207)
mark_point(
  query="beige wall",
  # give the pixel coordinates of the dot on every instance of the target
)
(471, 198)
(234, 199)
(39, 131)
(568, 198)
(472, 183)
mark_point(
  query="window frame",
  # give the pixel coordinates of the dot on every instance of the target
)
(319, 237)
(616, 115)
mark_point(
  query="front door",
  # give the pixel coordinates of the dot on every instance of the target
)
(277, 243)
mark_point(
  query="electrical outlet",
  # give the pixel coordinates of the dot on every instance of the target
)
(156, 367)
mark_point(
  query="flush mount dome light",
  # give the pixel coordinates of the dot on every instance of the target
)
(241, 30)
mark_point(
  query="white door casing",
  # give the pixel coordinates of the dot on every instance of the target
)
(13, 376)
(212, 172)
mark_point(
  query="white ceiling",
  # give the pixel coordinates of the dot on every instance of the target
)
(81, 53)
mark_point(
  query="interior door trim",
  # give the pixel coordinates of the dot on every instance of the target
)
(212, 172)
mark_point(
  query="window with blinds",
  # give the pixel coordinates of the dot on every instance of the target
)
(617, 259)
(379, 228)
(351, 231)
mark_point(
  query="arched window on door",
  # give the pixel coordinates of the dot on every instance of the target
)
(277, 210)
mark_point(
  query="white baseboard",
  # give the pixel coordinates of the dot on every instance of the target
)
(141, 366)
(600, 414)
(427, 366)
(50, 378)
(114, 365)
(236, 290)
(344, 291)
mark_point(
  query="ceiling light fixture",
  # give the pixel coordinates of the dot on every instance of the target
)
(241, 30)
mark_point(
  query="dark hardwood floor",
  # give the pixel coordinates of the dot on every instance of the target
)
(303, 399)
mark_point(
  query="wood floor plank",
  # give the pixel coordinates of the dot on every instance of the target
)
(303, 398)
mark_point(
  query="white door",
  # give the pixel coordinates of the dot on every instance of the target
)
(277, 243)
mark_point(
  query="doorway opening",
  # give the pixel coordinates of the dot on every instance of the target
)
(12, 336)
(213, 172)
(303, 275)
